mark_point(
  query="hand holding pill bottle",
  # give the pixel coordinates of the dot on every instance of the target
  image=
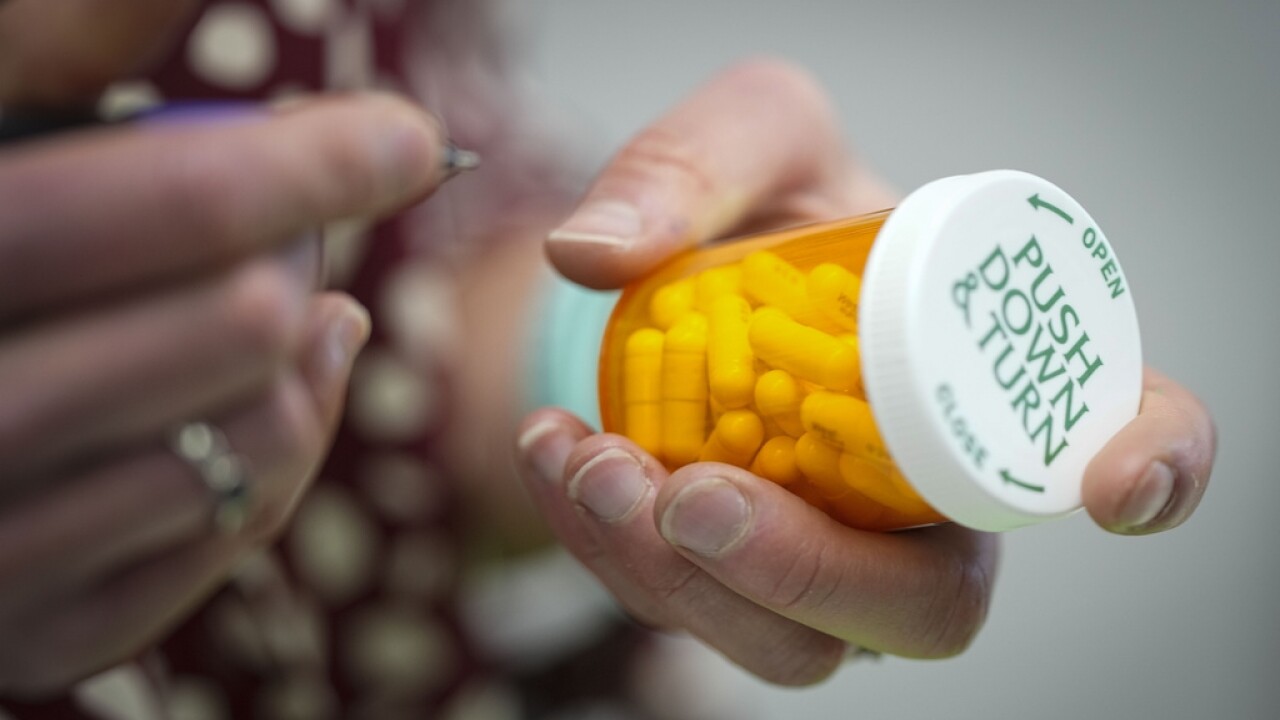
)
(961, 357)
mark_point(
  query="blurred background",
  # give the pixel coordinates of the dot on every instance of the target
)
(1162, 118)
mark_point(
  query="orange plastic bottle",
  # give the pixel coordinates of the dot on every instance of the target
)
(960, 357)
(778, 306)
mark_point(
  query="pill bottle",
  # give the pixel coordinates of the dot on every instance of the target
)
(960, 357)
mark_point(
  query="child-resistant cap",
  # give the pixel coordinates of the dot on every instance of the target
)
(1000, 346)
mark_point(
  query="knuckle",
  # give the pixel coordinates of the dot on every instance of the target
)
(807, 581)
(677, 588)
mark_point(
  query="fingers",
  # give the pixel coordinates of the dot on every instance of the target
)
(78, 530)
(921, 593)
(130, 372)
(603, 513)
(759, 139)
(768, 580)
(137, 206)
(145, 502)
(110, 559)
(109, 623)
(1151, 475)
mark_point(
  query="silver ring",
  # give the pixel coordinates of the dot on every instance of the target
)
(203, 447)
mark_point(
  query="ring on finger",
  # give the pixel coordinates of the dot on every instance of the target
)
(205, 449)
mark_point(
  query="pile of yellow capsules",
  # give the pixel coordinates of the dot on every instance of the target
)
(756, 365)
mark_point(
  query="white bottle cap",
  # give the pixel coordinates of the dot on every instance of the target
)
(1000, 346)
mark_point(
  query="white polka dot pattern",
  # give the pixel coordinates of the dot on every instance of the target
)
(389, 401)
(420, 308)
(332, 544)
(233, 46)
(306, 17)
(396, 649)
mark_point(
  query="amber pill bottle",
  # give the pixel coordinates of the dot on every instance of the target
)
(960, 357)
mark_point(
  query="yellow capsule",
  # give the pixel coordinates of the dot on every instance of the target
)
(820, 464)
(715, 283)
(770, 280)
(903, 506)
(846, 423)
(807, 353)
(776, 461)
(670, 302)
(778, 397)
(684, 389)
(857, 511)
(642, 388)
(730, 362)
(852, 340)
(805, 491)
(834, 291)
(884, 485)
(735, 440)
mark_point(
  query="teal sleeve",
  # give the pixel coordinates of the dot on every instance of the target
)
(568, 326)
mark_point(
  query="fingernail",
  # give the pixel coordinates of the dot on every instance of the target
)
(545, 447)
(1150, 499)
(601, 222)
(611, 485)
(708, 517)
(346, 334)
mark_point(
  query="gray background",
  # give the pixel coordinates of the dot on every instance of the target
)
(1161, 117)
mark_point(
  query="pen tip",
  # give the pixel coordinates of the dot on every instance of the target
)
(457, 160)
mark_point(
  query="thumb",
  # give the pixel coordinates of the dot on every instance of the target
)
(760, 140)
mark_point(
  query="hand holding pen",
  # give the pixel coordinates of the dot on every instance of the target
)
(171, 373)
